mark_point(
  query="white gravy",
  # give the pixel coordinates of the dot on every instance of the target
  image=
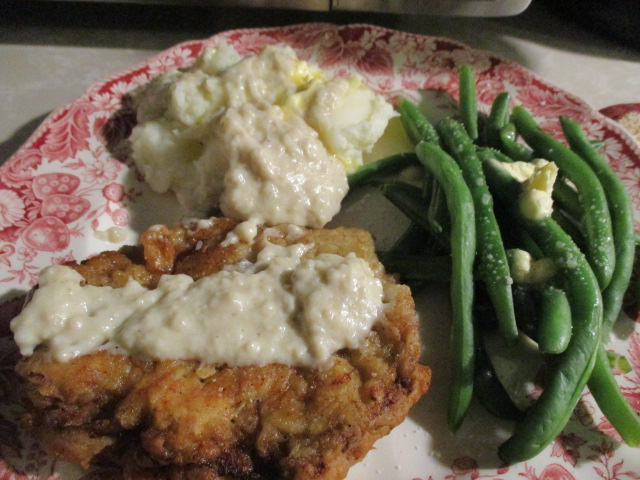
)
(280, 309)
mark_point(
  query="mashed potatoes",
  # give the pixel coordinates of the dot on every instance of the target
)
(267, 137)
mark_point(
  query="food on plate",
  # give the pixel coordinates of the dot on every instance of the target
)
(306, 411)
(172, 114)
(285, 309)
(537, 178)
(567, 216)
(627, 115)
(267, 136)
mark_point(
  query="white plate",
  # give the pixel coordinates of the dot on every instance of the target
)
(64, 187)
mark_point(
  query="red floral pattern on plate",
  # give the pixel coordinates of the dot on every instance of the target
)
(66, 183)
(619, 110)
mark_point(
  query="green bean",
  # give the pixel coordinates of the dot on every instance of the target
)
(570, 226)
(544, 315)
(567, 205)
(415, 123)
(552, 410)
(498, 118)
(501, 183)
(564, 195)
(596, 218)
(418, 267)
(437, 213)
(622, 221)
(607, 394)
(526, 310)
(632, 297)
(514, 236)
(598, 145)
(511, 147)
(463, 246)
(488, 389)
(411, 242)
(483, 313)
(483, 119)
(411, 192)
(409, 200)
(554, 320)
(379, 168)
(566, 198)
(485, 153)
(419, 128)
(468, 101)
(526, 243)
(493, 267)
(602, 383)
(428, 184)
(618, 362)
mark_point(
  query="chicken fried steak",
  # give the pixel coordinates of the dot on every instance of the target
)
(179, 419)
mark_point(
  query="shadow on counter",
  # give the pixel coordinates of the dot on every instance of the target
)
(19, 137)
(615, 19)
(160, 24)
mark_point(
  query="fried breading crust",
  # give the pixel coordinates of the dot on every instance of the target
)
(185, 420)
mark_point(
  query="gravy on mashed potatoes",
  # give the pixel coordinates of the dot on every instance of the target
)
(267, 136)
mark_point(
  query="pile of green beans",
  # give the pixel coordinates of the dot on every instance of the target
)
(465, 217)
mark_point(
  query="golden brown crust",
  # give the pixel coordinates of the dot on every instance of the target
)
(184, 420)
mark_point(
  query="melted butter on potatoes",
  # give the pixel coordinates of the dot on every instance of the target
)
(267, 136)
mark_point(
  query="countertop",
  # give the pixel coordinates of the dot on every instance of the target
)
(51, 52)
